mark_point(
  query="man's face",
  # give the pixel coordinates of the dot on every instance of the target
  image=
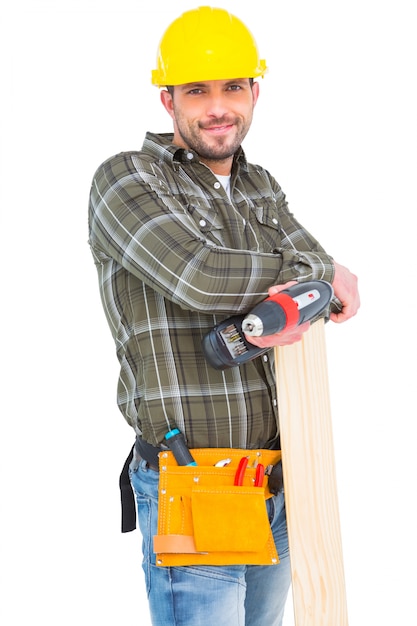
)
(212, 117)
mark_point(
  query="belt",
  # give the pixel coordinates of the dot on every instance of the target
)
(148, 453)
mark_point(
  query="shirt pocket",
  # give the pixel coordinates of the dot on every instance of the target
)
(207, 222)
(265, 218)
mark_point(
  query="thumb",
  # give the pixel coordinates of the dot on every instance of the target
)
(277, 288)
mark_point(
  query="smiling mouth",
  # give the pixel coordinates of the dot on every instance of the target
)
(218, 129)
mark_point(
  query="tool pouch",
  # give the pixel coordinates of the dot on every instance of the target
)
(204, 519)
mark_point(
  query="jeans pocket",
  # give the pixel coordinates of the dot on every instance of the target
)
(145, 487)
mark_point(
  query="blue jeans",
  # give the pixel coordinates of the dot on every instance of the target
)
(238, 595)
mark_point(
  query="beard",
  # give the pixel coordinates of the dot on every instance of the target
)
(217, 148)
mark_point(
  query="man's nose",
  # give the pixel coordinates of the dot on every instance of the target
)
(217, 106)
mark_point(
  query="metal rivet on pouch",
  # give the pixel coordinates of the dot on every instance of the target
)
(159, 562)
(274, 561)
(196, 479)
(163, 491)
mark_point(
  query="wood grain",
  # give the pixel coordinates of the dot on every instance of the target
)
(318, 582)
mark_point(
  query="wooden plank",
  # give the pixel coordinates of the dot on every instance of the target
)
(318, 583)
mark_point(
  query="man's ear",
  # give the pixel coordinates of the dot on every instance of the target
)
(255, 92)
(167, 101)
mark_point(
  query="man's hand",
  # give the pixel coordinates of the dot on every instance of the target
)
(345, 286)
(285, 337)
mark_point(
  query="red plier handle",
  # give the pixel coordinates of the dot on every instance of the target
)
(240, 472)
(259, 476)
(241, 469)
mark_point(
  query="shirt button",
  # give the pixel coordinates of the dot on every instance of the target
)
(190, 156)
(274, 220)
(203, 223)
(217, 185)
(275, 402)
(265, 358)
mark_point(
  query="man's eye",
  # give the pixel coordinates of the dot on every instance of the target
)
(234, 87)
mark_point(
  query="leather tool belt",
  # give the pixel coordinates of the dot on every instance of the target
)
(209, 515)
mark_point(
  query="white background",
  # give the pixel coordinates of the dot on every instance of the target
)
(336, 125)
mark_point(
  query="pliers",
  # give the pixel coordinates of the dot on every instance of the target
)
(241, 469)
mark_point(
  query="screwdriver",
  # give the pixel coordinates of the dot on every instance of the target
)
(176, 443)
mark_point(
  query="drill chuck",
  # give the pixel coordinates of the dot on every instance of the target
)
(267, 318)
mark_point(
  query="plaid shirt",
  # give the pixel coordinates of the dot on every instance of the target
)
(174, 257)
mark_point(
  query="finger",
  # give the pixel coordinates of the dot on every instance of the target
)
(277, 288)
(346, 314)
(283, 338)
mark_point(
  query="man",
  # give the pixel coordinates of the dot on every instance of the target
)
(185, 233)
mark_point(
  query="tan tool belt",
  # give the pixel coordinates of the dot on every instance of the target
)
(203, 518)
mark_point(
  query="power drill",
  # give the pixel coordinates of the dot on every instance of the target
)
(225, 345)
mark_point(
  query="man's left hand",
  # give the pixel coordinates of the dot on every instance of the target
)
(286, 336)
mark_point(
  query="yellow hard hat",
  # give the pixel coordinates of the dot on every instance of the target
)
(206, 44)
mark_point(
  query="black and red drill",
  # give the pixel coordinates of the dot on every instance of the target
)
(225, 345)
